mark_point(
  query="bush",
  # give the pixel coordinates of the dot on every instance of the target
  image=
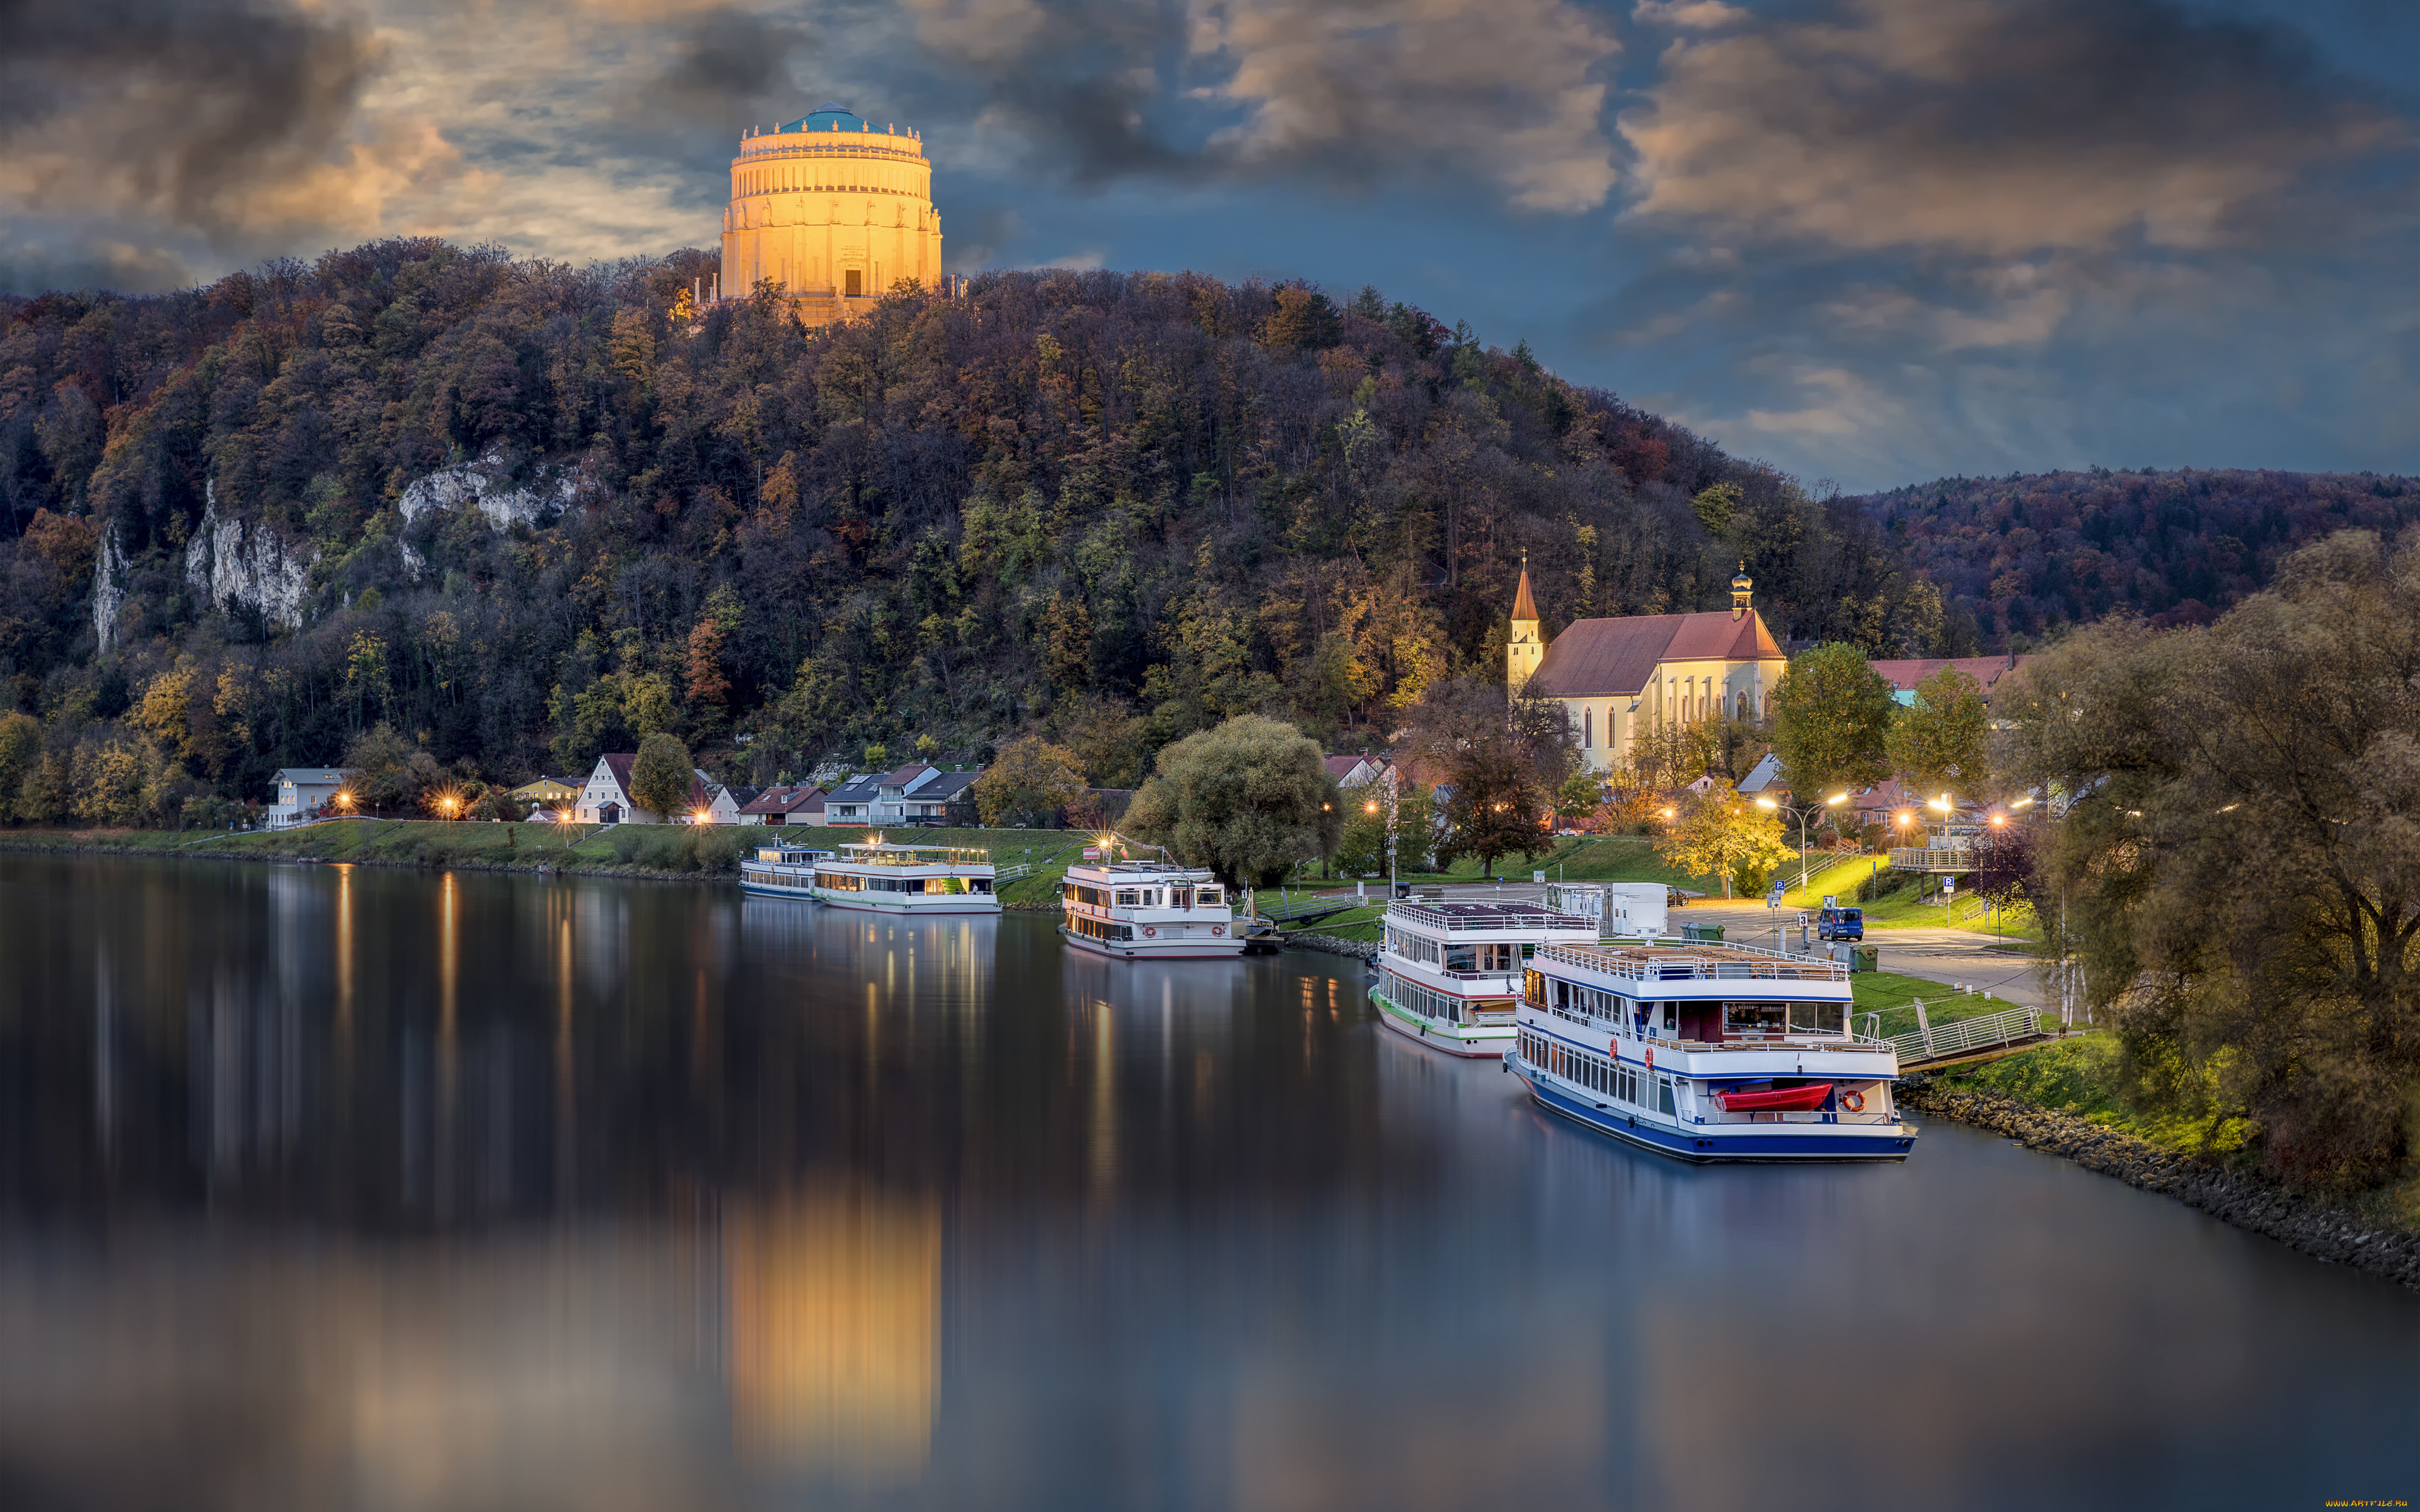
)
(713, 849)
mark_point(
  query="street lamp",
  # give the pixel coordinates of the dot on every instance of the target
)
(1806, 812)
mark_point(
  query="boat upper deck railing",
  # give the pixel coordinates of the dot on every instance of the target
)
(884, 853)
(1683, 962)
(1793, 1042)
(1457, 917)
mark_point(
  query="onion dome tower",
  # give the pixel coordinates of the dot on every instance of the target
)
(832, 212)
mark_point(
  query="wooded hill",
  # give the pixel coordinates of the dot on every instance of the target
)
(1117, 507)
(2030, 554)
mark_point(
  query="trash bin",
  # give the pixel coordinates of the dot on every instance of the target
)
(1865, 958)
(1702, 931)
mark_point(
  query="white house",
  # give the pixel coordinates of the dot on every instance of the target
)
(605, 799)
(1353, 771)
(301, 791)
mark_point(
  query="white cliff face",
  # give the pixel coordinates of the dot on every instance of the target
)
(486, 486)
(108, 587)
(235, 562)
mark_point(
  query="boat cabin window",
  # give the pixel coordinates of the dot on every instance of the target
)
(1209, 897)
(1128, 898)
(1817, 1018)
(1180, 898)
(1462, 958)
(1755, 1018)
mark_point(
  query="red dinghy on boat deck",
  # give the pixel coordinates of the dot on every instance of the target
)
(1777, 1100)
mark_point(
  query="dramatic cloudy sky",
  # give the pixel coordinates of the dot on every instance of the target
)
(1872, 241)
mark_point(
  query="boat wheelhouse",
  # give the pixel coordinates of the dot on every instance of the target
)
(1450, 973)
(1147, 911)
(885, 878)
(1707, 1053)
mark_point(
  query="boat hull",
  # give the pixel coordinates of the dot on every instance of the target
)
(1471, 1043)
(1714, 1145)
(1192, 950)
(910, 904)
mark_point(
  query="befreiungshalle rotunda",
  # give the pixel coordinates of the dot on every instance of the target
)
(833, 210)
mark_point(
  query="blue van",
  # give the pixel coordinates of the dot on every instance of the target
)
(1840, 924)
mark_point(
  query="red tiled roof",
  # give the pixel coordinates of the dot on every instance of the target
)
(1904, 675)
(620, 766)
(1596, 657)
(800, 798)
(1340, 765)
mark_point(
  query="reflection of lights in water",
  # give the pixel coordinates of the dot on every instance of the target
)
(835, 1310)
(1103, 1131)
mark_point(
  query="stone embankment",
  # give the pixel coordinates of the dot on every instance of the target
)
(2237, 1198)
(1357, 950)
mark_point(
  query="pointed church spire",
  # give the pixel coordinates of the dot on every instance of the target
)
(1523, 606)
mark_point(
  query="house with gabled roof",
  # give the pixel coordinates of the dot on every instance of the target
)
(796, 802)
(1619, 678)
(605, 797)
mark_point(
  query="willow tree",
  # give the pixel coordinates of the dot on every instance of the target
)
(2238, 868)
(1246, 799)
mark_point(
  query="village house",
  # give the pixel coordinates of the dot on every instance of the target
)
(800, 803)
(1353, 771)
(546, 793)
(605, 799)
(302, 792)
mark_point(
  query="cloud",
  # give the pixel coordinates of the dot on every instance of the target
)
(200, 113)
(1706, 15)
(1991, 127)
(1504, 90)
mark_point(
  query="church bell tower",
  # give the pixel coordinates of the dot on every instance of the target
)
(1523, 651)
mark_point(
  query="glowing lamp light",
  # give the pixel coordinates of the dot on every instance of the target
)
(1941, 803)
(1766, 803)
(1371, 806)
(1837, 797)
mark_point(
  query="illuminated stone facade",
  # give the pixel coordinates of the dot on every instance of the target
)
(1620, 679)
(834, 211)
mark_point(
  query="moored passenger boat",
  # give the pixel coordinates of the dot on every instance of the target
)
(1706, 1053)
(1450, 973)
(1147, 911)
(875, 875)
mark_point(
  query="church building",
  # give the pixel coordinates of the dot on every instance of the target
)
(1619, 679)
(833, 211)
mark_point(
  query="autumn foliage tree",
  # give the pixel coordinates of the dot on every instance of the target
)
(1027, 781)
(1832, 716)
(2237, 864)
(1719, 833)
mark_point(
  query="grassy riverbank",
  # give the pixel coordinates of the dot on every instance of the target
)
(2078, 1076)
(611, 850)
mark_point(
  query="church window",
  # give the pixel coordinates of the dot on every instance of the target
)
(1588, 729)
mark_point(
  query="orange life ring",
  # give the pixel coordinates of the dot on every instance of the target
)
(1217, 929)
(1854, 1102)
(1650, 1057)
(1148, 933)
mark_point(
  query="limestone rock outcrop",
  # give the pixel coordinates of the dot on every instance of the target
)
(108, 587)
(243, 563)
(487, 485)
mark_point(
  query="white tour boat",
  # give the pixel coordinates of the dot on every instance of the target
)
(886, 878)
(1147, 911)
(1448, 973)
(1707, 1053)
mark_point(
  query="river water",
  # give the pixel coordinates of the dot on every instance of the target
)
(333, 1187)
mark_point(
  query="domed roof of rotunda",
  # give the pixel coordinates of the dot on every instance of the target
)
(828, 118)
